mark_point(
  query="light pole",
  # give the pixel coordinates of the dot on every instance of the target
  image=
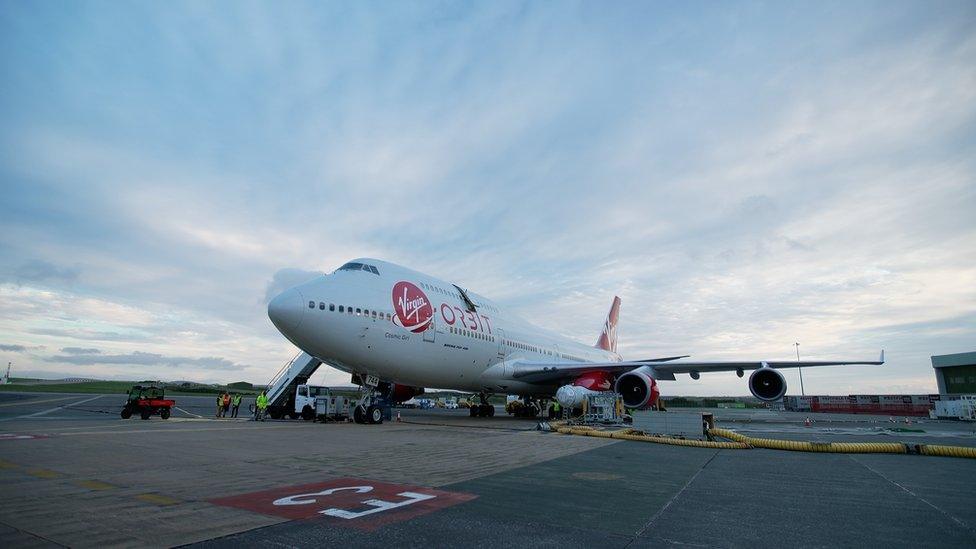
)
(797, 345)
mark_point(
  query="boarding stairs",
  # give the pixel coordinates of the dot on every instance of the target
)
(295, 372)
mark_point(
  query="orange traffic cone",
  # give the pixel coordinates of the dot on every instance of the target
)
(806, 422)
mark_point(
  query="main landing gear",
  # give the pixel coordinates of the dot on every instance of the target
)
(485, 409)
(530, 407)
(366, 411)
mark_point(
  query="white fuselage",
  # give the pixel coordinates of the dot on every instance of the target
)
(363, 322)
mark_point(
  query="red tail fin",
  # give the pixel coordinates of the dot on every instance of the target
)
(608, 339)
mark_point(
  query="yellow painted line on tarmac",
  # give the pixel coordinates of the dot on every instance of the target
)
(157, 499)
(95, 485)
(4, 464)
(23, 402)
(43, 473)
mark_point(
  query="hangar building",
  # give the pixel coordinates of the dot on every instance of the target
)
(956, 374)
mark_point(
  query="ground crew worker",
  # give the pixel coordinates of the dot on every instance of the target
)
(235, 401)
(220, 403)
(260, 405)
(226, 403)
(555, 409)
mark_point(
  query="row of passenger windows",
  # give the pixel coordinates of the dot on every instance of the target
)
(469, 333)
(532, 348)
(457, 331)
(527, 347)
(357, 311)
(455, 295)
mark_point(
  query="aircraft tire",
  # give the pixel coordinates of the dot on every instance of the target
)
(359, 414)
(473, 411)
(374, 415)
(489, 410)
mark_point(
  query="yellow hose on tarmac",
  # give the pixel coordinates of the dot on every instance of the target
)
(947, 451)
(744, 442)
(848, 447)
(801, 446)
(628, 434)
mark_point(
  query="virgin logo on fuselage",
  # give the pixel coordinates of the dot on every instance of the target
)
(412, 307)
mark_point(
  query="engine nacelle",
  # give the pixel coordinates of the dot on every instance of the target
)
(767, 384)
(572, 396)
(638, 388)
(403, 393)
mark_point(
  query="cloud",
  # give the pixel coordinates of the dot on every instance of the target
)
(287, 278)
(20, 348)
(43, 271)
(139, 358)
(80, 351)
(90, 335)
(742, 180)
(13, 348)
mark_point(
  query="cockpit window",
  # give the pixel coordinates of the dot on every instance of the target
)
(353, 266)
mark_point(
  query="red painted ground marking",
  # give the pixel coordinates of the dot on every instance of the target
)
(15, 436)
(351, 502)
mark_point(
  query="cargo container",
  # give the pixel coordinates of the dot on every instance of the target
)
(893, 405)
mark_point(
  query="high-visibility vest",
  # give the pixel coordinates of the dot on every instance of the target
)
(262, 401)
(237, 400)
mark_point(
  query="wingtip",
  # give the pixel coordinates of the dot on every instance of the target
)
(882, 360)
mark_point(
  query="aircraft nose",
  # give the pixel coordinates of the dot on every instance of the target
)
(286, 310)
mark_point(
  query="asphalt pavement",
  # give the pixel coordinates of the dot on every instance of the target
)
(73, 473)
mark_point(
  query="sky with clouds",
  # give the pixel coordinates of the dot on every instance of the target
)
(744, 175)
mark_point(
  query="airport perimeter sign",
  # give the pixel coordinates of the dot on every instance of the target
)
(358, 503)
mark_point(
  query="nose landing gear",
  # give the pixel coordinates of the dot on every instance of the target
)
(366, 410)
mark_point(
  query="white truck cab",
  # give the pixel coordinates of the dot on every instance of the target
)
(305, 396)
(313, 401)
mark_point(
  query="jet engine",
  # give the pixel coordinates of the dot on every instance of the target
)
(638, 388)
(572, 396)
(402, 393)
(767, 384)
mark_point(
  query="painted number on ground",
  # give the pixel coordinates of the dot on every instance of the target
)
(358, 503)
(374, 505)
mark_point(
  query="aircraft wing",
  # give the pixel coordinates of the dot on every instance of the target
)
(664, 369)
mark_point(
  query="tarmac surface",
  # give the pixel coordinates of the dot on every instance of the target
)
(73, 473)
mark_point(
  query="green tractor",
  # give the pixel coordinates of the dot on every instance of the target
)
(147, 400)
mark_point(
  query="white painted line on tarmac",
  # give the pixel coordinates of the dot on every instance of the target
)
(22, 402)
(56, 408)
(913, 494)
(161, 431)
(187, 413)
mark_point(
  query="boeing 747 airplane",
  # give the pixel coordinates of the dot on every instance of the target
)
(394, 327)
